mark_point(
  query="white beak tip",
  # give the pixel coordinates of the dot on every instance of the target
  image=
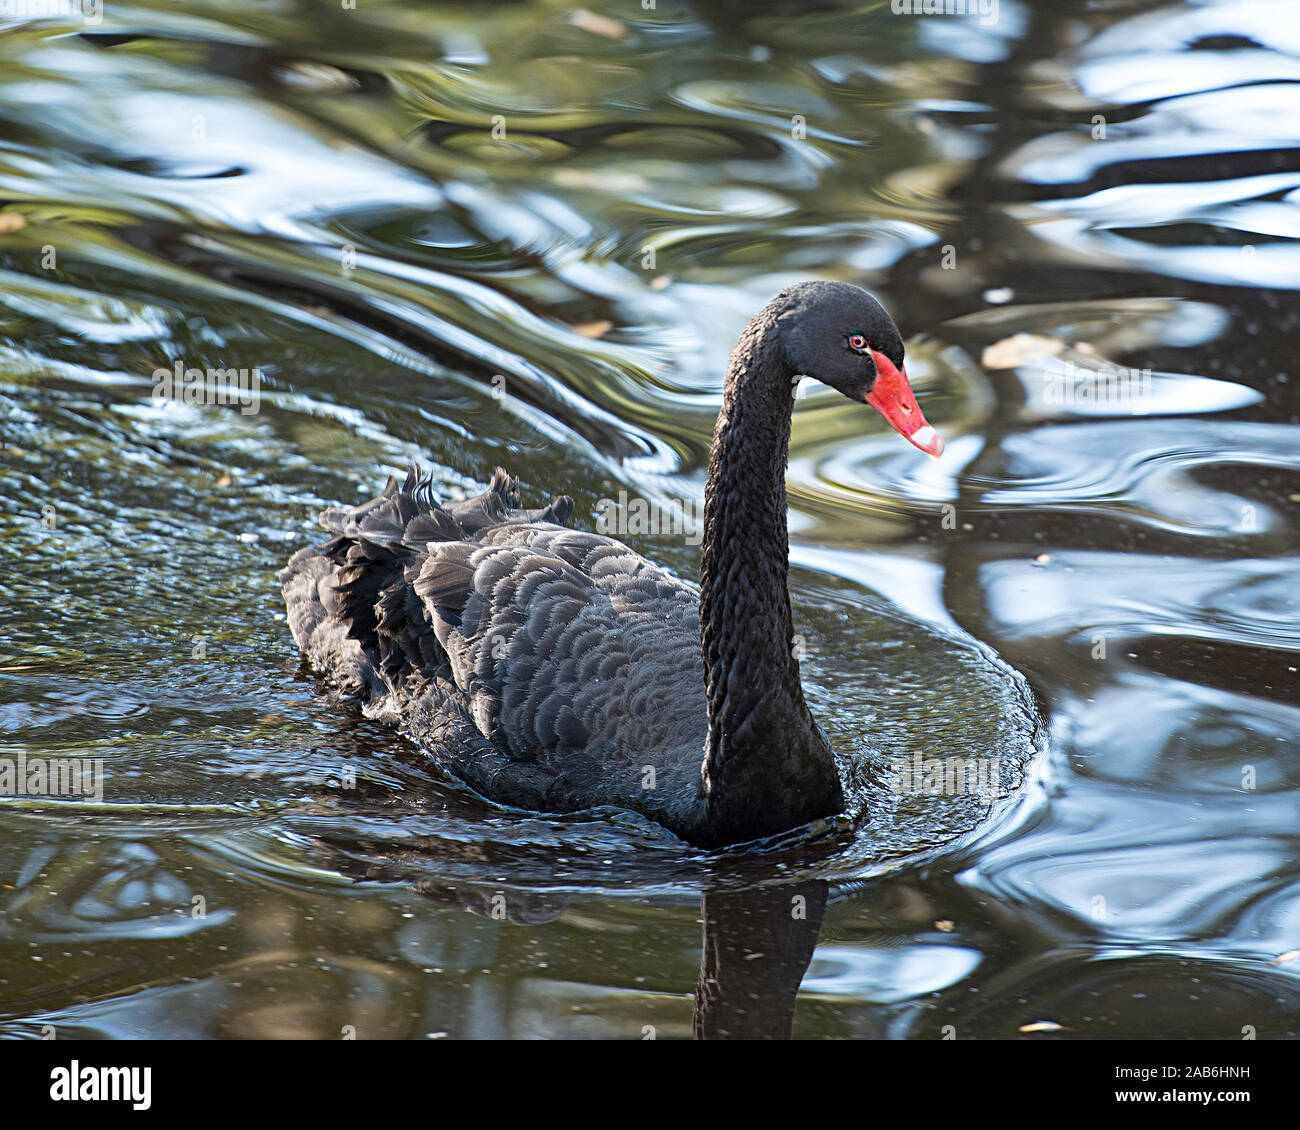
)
(928, 440)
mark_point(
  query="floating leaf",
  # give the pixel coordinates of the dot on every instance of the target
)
(598, 24)
(1020, 349)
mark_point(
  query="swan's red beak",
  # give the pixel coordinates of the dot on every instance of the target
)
(893, 398)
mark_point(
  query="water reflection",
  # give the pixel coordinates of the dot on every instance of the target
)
(757, 946)
(324, 198)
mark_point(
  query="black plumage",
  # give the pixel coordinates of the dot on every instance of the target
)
(554, 669)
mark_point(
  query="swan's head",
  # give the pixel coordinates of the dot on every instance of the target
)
(838, 334)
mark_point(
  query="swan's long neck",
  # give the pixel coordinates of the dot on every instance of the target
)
(766, 764)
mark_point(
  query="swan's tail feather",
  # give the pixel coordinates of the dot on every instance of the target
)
(354, 608)
(446, 583)
(488, 508)
(406, 645)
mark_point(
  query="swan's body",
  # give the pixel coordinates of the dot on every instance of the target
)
(554, 670)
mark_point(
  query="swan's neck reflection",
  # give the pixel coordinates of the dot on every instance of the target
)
(757, 946)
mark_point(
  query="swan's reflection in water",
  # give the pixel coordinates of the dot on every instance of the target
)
(761, 906)
(758, 943)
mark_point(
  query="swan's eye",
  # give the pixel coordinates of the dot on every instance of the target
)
(858, 342)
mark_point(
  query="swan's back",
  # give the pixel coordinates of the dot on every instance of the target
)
(550, 668)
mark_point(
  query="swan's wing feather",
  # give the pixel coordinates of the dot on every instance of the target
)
(576, 653)
(574, 658)
(311, 597)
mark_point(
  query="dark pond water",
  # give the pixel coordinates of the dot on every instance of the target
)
(519, 236)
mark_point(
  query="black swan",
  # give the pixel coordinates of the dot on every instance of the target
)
(553, 669)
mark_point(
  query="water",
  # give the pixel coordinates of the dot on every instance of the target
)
(1084, 222)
